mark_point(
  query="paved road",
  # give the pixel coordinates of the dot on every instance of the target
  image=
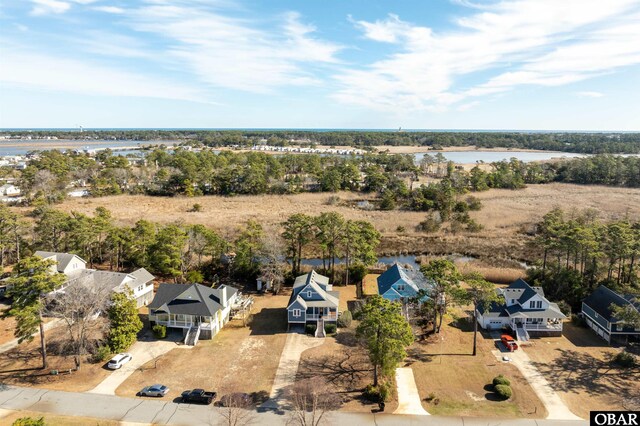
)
(160, 412)
(408, 396)
(295, 345)
(141, 352)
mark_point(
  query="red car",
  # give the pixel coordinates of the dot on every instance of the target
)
(508, 342)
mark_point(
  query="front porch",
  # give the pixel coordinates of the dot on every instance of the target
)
(316, 313)
(181, 321)
(523, 325)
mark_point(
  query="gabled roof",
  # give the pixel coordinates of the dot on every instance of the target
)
(495, 310)
(142, 275)
(602, 298)
(189, 299)
(62, 259)
(319, 284)
(392, 275)
(521, 291)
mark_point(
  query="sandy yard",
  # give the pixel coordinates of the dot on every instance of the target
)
(457, 383)
(7, 417)
(577, 367)
(237, 359)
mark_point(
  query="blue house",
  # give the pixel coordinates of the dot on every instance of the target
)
(313, 301)
(396, 284)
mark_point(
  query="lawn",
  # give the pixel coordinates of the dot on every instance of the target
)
(577, 366)
(445, 370)
(237, 359)
(21, 366)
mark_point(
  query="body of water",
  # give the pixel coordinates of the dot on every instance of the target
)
(21, 147)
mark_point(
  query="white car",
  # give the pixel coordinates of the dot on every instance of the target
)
(118, 361)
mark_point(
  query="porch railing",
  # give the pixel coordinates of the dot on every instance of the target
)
(543, 327)
(326, 317)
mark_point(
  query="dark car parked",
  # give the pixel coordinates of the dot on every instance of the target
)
(198, 396)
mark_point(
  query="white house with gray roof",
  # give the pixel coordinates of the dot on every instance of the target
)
(313, 301)
(139, 282)
(524, 309)
(199, 311)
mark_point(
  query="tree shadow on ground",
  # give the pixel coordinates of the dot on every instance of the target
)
(269, 321)
(345, 371)
(576, 372)
(347, 337)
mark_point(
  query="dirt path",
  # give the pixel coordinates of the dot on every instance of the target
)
(141, 353)
(555, 407)
(408, 396)
(296, 344)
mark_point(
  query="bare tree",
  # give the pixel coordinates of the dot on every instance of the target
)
(311, 401)
(272, 266)
(79, 306)
(236, 409)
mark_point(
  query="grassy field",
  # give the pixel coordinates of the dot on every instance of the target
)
(237, 359)
(444, 369)
(505, 215)
(577, 366)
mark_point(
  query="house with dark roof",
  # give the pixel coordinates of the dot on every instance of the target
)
(199, 311)
(139, 282)
(596, 309)
(396, 283)
(524, 309)
(313, 301)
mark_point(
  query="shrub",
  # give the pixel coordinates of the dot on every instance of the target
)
(504, 391)
(401, 228)
(197, 207)
(430, 224)
(388, 201)
(357, 272)
(330, 328)
(625, 359)
(28, 421)
(378, 393)
(501, 380)
(102, 354)
(333, 200)
(473, 226)
(160, 331)
(344, 321)
(310, 329)
(474, 203)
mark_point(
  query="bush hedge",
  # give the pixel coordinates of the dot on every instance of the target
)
(160, 331)
(310, 329)
(501, 380)
(625, 359)
(102, 354)
(378, 393)
(504, 391)
(330, 328)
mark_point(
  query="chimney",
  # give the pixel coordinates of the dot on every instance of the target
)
(223, 295)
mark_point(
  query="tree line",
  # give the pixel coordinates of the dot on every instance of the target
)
(580, 252)
(592, 143)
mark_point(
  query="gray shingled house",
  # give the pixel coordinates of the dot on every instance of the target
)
(199, 311)
(596, 309)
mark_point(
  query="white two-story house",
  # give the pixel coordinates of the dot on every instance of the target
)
(139, 282)
(524, 309)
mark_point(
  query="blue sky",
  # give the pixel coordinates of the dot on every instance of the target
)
(437, 64)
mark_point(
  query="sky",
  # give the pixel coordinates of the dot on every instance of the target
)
(429, 64)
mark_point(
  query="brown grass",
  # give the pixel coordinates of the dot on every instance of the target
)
(11, 416)
(505, 215)
(237, 359)
(443, 367)
(577, 366)
(21, 367)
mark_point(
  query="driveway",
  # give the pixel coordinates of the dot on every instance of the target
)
(555, 407)
(408, 396)
(141, 353)
(295, 345)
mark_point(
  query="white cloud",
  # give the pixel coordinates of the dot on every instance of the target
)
(45, 7)
(534, 42)
(47, 72)
(233, 52)
(588, 94)
(109, 9)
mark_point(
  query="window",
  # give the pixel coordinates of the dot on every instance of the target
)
(297, 313)
(532, 304)
(309, 294)
(400, 287)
